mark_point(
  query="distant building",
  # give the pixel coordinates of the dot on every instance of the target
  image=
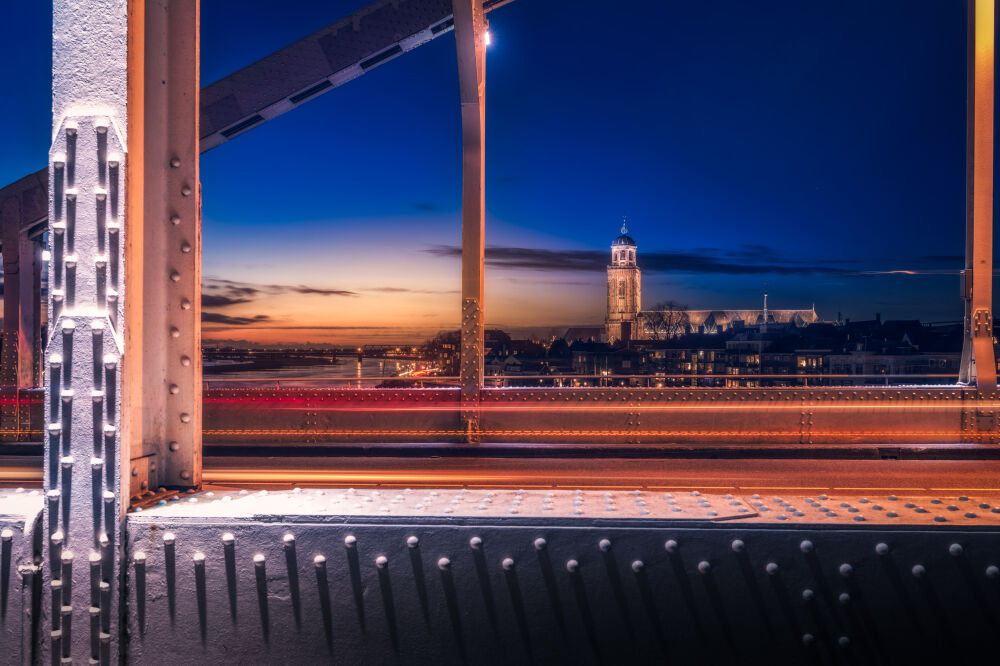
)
(626, 320)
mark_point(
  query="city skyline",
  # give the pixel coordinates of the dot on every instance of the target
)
(826, 162)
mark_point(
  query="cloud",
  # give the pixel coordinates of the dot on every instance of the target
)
(220, 301)
(704, 261)
(218, 318)
(248, 290)
(407, 290)
(425, 206)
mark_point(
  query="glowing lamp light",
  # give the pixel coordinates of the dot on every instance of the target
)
(487, 38)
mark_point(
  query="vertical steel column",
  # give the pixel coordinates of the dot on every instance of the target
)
(83, 450)
(978, 360)
(11, 216)
(470, 28)
(29, 326)
(163, 363)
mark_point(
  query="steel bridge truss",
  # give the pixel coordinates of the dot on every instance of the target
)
(436, 575)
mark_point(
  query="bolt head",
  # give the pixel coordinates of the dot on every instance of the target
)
(882, 548)
(540, 543)
(572, 566)
(806, 546)
(918, 571)
(738, 546)
(413, 542)
(846, 570)
(955, 549)
(507, 564)
(604, 545)
(475, 543)
(992, 572)
(704, 567)
(350, 540)
(771, 568)
(638, 566)
(381, 561)
(670, 546)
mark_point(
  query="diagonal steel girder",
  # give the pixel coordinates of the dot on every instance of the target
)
(309, 67)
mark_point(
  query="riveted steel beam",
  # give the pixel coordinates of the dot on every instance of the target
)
(543, 576)
(163, 366)
(978, 356)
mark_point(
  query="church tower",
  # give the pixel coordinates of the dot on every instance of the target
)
(623, 290)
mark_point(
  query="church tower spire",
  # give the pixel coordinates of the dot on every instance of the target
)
(624, 289)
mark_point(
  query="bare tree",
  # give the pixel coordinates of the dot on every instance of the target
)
(667, 319)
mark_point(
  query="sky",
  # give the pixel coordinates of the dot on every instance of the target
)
(811, 149)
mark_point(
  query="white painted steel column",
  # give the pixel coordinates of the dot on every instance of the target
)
(83, 452)
(122, 376)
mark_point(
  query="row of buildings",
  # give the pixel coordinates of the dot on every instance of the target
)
(785, 354)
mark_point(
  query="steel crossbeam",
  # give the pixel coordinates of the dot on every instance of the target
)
(451, 576)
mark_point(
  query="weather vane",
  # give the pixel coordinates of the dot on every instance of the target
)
(624, 226)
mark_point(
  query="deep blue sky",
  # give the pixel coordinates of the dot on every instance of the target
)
(790, 144)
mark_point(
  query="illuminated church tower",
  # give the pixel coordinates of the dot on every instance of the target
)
(623, 290)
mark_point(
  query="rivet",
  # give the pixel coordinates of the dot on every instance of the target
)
(259, 559)
(381, 561)
(139, 557)
(992, 572)
(638, 566)
(413, 542)
(228, 538)
(175, 332)
(185, 247)
(185, 304)
(175, 162)
(918, 571)
(843, 641)
(185, 474)
(7, 534)
(507, 564)
(350, 540)
(57, 537)
(808, 639)
(186, 191)
(572, 566)
(704, 567)
(808, 595)
(844, 598)
(806, 546)
(175, 276)
(846, 570)
(174, 389)
(168, 538)
(540, 543)
(175, 220)
(199, 558)
(771, 568)
(174, 446)
(670, 546)
(737, 545)
(955, 549)
(185, 418)
(444, 563)
(185, 361)
(319, 560)
(475, 543)
(882, 548)
(604, 545)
